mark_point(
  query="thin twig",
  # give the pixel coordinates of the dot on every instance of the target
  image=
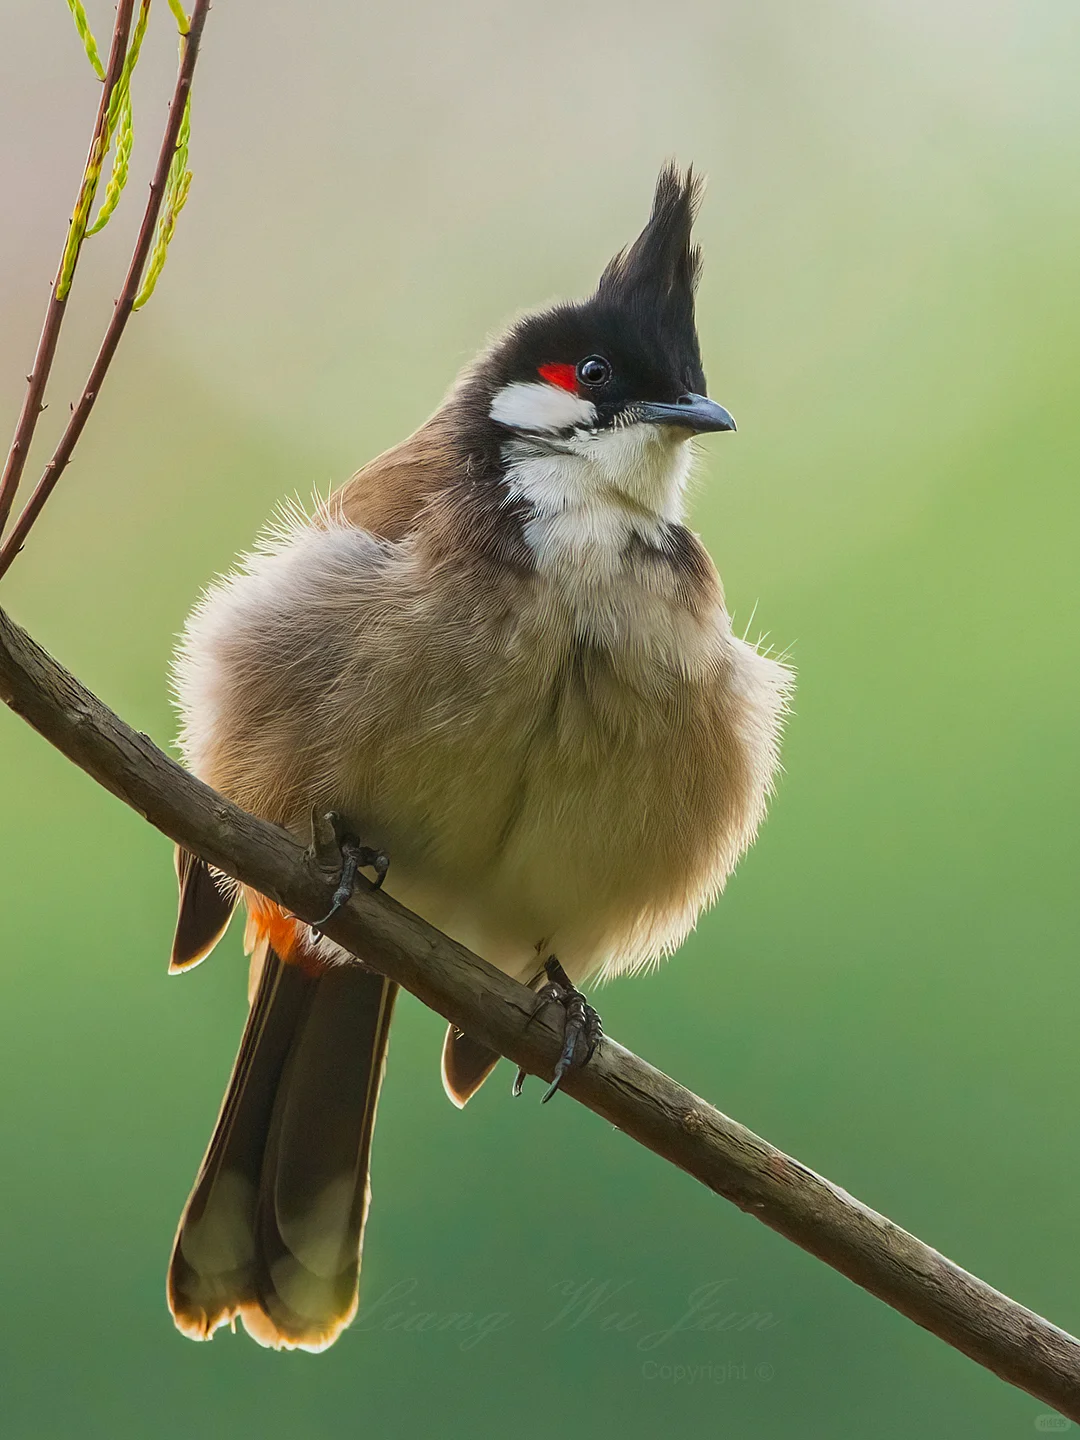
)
(122, 310)
(1015, 1343)
(54, 315)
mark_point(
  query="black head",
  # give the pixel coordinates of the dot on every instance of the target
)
(629, 353)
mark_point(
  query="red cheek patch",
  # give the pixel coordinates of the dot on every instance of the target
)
(565, 376)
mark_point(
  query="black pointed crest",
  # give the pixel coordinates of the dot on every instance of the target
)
(659, 271)
(639, 320)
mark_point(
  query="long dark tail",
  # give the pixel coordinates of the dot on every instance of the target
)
(274, 1226)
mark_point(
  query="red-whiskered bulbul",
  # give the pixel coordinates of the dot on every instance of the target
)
(500, 657)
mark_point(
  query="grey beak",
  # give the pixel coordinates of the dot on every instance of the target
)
(690, 412)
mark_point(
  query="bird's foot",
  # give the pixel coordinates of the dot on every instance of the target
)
(331, 837)
(582, 1030)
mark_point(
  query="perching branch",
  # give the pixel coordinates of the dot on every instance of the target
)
(1015, 1343)
(170, 180)
(36, 381)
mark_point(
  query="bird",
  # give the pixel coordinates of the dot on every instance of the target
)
(501, 661)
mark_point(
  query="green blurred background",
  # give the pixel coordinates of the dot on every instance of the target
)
(891, 307)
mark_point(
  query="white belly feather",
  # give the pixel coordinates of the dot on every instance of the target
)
(575, 772)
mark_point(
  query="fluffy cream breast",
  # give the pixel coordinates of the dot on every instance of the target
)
(572, 755)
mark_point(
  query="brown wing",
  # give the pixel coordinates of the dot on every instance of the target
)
(466, 1064)
(383, 498)
(386, 496)
(203, 914)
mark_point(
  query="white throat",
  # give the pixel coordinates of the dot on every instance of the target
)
(593, 491)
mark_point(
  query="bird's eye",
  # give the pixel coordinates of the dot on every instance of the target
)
(594, 370)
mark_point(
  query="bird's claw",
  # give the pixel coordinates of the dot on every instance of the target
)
(582, 1029)
(354, 858)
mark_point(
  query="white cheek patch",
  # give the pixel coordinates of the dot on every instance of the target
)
(523, 406)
